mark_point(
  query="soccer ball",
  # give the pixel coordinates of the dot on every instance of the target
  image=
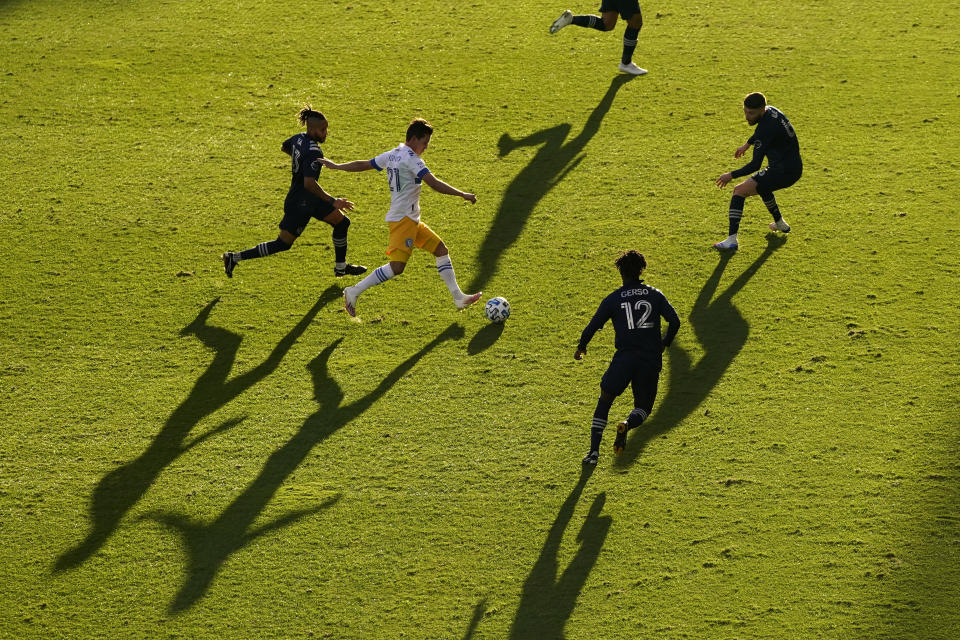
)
(497, 309)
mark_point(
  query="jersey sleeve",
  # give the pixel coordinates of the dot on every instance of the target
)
(759, 150)
(668, 313)
(380, 162)
(417, 166)
(596, 323)
(287, 146)
(311, 161)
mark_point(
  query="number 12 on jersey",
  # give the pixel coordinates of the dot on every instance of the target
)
(643, 308)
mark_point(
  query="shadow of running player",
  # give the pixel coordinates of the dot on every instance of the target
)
(548, 599)
(210, 544)
(119, 490)
(722, 332)
(551, 164)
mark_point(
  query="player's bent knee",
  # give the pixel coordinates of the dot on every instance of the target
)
(340, 229)
(744, 190)
(397, 267)
(280, 245)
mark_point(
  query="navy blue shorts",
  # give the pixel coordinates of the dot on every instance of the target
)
(770, 179)
(642, 375)
(626, 8)
(298, 209)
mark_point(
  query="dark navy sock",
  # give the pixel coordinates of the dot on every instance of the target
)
(340, 240)
(264, 249)
(590, 22)
(771, 203)
(600, 415)
(636, 418)
(629, 44)
(736, 212)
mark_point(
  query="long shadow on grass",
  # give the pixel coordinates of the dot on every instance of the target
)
(210, 545)
(553, 161)
(722, 331)
(119, 490)
(548, 599)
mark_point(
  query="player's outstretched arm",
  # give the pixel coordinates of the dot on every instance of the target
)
(311, 185)
(742, 149)
(440, 186)
(356, 165)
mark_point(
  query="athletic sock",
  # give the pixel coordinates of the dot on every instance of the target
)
(736, 212)
(636, 418)
(590, 22)
(445, 269)
(379, 276)
(629, 44)
(340, 241)
(771, 202)
(263, 250)
(600, 415)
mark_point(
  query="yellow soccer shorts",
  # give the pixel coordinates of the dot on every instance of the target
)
(405, 235)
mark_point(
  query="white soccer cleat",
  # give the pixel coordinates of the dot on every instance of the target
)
(350, 301)
(780, 225)
(631, 68)
(730, 244)
(564, 20)
(466, 301)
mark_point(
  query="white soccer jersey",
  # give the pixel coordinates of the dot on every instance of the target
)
(405, 171)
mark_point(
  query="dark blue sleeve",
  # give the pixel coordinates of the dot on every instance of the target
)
(754, 164)
(311, 161)
(668, 313)
(596, 323)
(287, 146)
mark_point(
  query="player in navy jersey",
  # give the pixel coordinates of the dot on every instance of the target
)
(635, 309)
(306, 199)
(774, 138)
(629, 10)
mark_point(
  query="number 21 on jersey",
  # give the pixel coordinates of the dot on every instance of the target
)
(393, 175)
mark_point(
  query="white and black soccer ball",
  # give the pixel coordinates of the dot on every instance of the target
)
(497, 309)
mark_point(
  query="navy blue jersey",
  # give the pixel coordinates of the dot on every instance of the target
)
(305, 156)
(636, 309)
(775, 138)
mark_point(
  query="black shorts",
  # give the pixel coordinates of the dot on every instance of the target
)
(641, 374)
(298, 209)
(626, 8)
(769, 179)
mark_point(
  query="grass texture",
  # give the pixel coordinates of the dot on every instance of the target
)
(187, 456)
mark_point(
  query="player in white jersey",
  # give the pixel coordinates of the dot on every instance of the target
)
(405, 172)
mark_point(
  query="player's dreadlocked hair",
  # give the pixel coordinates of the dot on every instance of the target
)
(631, 264)
(755, 100)
(307, 113)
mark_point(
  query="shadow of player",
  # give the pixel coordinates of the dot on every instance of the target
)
(553, 161)
(722, 332)
(120, 489)
(209, 545)
(548, 599)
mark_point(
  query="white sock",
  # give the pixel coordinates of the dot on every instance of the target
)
(379, 276)
(445, 269)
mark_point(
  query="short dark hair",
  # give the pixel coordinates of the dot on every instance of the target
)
(419, 128)
(307, 113)
(755, 100)
(631, 264)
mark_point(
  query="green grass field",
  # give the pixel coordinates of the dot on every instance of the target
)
(187, 456)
